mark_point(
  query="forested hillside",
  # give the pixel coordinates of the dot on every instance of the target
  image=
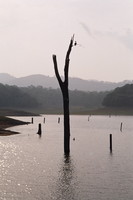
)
(51, 99)
(47, 100)
(14, 97)
(120, 97)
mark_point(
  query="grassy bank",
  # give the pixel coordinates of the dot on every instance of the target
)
(112, 111)
(12, 112)
(73, 111)
(94, 111)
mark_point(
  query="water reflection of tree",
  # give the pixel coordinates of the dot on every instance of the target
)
(66, 185)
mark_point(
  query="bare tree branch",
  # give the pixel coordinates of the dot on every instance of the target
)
(66, 68)
(56, 71)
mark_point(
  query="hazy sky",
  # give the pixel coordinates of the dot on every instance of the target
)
(32, 30)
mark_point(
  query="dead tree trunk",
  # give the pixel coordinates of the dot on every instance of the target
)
(65, 95)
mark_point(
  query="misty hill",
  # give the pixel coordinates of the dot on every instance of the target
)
(51, 82)
(5, 78)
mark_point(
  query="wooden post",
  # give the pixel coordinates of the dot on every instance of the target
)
(39, 129)
(121, 126)
(110, 136)
(32, 120)
(44, 120)
(58, 120)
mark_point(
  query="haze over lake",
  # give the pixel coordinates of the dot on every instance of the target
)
(34, 167)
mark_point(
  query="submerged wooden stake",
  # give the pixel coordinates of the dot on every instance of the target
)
(110, 140)
(39, 129)
(121, 126)
(58, 120)
(32, 120)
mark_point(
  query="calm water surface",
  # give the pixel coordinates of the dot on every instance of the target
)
(35, 168)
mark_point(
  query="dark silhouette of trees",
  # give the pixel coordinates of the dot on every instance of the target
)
(48, 100)
(14, 97)
(65, 94)
(120, 97)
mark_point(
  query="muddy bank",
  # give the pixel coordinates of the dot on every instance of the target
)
(6, 122)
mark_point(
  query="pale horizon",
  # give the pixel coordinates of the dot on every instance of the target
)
(31, 31)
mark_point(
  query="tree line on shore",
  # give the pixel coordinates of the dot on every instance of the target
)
(47, 99)
(120, 97)
(50, 100)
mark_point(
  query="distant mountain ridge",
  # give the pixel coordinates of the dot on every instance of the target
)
(51, 82)
(4, 78)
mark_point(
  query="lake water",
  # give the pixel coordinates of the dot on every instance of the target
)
(35, 168)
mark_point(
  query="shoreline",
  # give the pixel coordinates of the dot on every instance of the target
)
(4, 132)
(6, 122)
